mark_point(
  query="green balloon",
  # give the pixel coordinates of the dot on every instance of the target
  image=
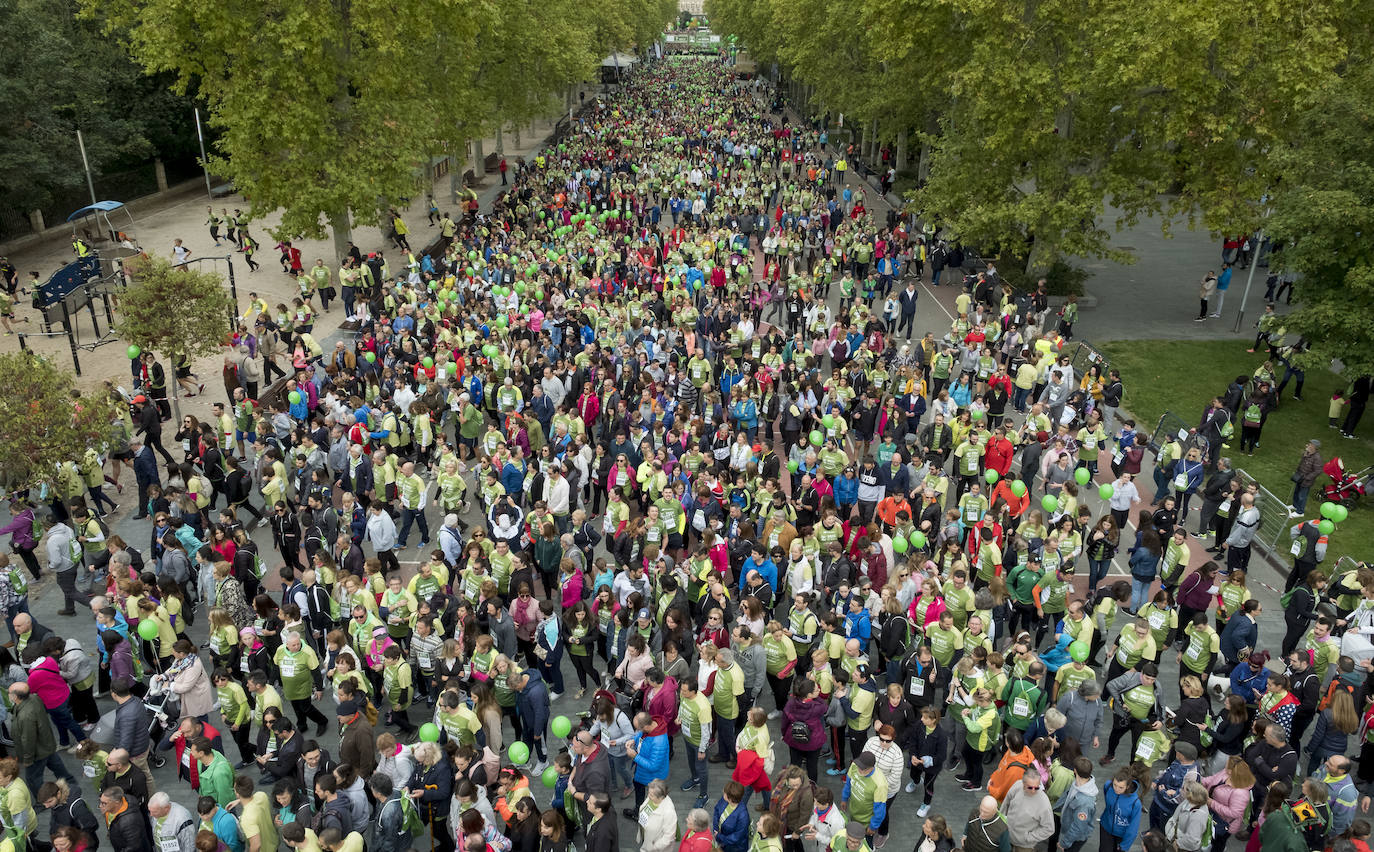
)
(520, 287)
(1018, 488)
(518, 752)
(1082, 475)
(817, 438)
(371, 357)
(502, 321)
(539, 295)
(1078, 652)
(792, 465)
(452, 368)
(1049, 503)
(1105, 491)
(918, 540)
(1326, 528)
(147, 628)
(561, 726)
(472, 255)
(899, 543)
(976, 414)
(1327, 509)
(550, 777)
(828, 421)
(133, 351)
(295, 397)
(990, 476)
(429, 733)
(1340, 513)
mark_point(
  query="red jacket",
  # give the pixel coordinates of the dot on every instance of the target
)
(45, 681)
(188, 768)
(997, 455)
(663, 703)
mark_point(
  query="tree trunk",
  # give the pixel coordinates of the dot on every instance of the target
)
(479, 166)
(901, 150)
(341, 225)
(500, 142)
(1038, 262)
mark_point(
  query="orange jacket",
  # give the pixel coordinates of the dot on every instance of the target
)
(1009, 771)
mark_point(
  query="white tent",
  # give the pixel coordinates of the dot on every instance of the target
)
(618, 60)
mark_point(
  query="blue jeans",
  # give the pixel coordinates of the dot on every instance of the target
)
(1300, 498)
(551, 670)
(620, 768)
(1018, 398)
(1140, 593)
(1097, 571)
(64, 721)
(697, 768)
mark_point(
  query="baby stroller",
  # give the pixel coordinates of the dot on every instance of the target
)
(616, 691)
(1344, 488)
(164, 712)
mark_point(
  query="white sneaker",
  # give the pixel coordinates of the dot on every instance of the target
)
(554, 696)
(922, 811)
(910, 786)
(773, 714)
(1215, 316)
(1295, 514)
(539, 768)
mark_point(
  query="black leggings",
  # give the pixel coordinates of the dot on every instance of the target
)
(973, 764)
(307, 712)
(811, 759)
(780, 687)
(1121, 725)
(585, 668)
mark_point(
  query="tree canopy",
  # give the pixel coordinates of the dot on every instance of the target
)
(1040, 116)
(1323, 215)
(179, 311)
(46, 422)
(331, 109)
(63, 74)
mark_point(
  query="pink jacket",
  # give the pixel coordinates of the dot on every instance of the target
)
(45, 681)
(937, 606)
(572, 589)
(526, 617)
(1227, 802)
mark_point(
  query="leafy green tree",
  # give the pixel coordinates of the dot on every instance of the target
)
(1323, 215)
(47, 422)
(58, 76)
(182, 312)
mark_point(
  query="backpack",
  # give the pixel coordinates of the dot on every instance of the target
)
(1287, 597)
(1336, 684)
(800, 731)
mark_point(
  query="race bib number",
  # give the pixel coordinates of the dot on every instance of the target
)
(1157, 620)
(1298, 547)
(1194, 652)
(1181, 482)
(1020, 707)
(425, 661)
(288, 667)
(918, 687)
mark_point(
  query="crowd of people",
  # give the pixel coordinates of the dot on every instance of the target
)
(688, 500)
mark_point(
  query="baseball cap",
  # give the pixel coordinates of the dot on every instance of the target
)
(643, 613)
(348, 708)
(140, 398)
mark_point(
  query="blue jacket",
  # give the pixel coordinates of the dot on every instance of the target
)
(1121, 815)
(1079, 809)
(746, 413)
(1144, 565)
(512, 479)
(732, 833)
(532, 703)
(1247, 684)
(1193, 470)
(859, 626)
(1240, 632)
(768, 571)
(846, 490)
(651, 754)
(895, 483)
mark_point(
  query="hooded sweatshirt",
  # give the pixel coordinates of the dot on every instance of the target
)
(651, 752)
(1078, 810)
(1121, 814)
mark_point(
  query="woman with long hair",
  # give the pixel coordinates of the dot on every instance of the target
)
(1229, 797)
(1331, 735)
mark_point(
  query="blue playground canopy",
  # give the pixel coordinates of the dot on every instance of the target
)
(98, 207)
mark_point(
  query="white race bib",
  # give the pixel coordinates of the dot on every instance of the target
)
(1299, 545)
(918, 687)
(1020, 706)
(288, 667)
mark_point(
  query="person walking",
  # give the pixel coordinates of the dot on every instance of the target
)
(34, 742)
(1028, 812)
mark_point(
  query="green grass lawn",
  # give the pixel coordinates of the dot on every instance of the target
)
(1181, 376)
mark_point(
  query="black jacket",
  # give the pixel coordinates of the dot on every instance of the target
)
(283, 763)
(921, 744)
(128, 831)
